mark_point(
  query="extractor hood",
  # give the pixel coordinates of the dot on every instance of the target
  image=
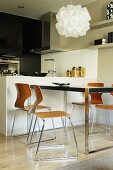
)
(50, 37)
(47, 51)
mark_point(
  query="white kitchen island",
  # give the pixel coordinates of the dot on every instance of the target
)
(55, 99)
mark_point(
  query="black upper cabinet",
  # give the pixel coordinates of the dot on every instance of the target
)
(36, 36)
(22, 35)
(32, 35)
(10, 34)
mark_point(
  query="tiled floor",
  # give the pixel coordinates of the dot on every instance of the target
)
(16, 155)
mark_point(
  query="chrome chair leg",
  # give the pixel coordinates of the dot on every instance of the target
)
(13, 123)
(74, 136)
(38, 121)
(38, 125)
(109, 122)
(54, 128)
(56, 158)
(40, 136)
(40, 131)
(106, 120)
(33, 130)
(29, 129)
(64, 127)
(53, 125)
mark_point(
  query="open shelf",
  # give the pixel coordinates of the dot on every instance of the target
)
(107, 45)
(101, 24)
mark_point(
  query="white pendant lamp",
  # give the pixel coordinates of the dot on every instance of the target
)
(73, 21)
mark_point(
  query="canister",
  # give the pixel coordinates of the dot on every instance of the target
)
(68, 73)
(83, 71)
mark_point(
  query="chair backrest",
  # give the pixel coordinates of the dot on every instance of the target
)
(23, 93)
(96, 98)
(39, 97)
(96, 84)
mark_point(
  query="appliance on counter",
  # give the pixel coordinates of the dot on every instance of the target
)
(37, 74)
(100, 41)
(41, 36)
(52, 71)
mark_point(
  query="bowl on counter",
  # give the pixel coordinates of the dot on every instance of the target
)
(40, 74)
(61, 84)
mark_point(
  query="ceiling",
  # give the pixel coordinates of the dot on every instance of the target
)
(35, 8)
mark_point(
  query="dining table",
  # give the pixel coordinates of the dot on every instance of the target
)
(86, 90)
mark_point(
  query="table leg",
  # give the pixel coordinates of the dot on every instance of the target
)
(65, 105)
(65, 101)
(86, 121)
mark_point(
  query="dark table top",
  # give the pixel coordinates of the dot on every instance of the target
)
(64, 88)
(78, 89)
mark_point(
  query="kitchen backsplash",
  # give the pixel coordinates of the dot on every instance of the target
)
(65, 60)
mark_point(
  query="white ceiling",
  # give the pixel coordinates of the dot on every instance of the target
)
(35, 8)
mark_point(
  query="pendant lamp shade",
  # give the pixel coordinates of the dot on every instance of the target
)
(73, 21)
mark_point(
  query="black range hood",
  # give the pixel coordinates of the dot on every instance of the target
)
(50, 39)
(47, 50)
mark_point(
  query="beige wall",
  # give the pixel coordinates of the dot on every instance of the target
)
(97, 11)
(105, 65)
